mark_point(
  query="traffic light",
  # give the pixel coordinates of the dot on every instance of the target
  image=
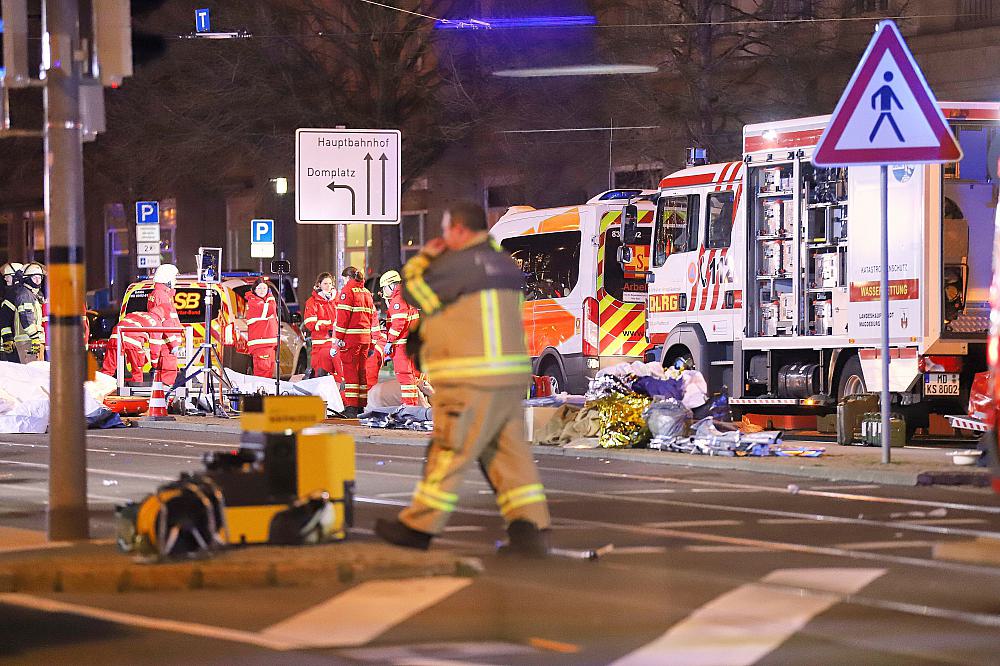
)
(14, 71)
(117, 46)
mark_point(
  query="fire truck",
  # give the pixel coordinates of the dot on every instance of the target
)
(765, 273)
(584, 290)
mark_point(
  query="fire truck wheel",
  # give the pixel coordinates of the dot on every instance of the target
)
(852, 379)
(678, 353)
(551, 369)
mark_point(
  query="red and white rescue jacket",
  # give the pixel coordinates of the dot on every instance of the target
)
(161, 305)
(356, 317)
(402, 317)
(262, 322)
(320, 316)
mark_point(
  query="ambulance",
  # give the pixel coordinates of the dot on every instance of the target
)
(765, 273)
(584, 292)
(228, 320)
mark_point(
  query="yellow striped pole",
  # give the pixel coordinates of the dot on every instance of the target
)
(68, 516)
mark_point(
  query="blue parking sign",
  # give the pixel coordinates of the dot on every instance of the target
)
(262, 231)
(147, 212)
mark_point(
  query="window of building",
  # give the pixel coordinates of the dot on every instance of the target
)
(411, 234)
(868, 6)
(676, 226)
(974, 14)
(359, 243)
(550, 263)
(720, 219)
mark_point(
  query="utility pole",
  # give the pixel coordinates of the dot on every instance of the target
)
(64, 240)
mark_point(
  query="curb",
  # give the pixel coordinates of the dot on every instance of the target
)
(93, 568)
(889, 477)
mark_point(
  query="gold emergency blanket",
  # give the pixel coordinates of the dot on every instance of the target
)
(621, 420)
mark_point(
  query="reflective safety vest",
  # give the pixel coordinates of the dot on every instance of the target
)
(22, 317)
(262, 322)
(402, 317)
(471, 326)
(135, 320)
(320, 315)
(356, 317)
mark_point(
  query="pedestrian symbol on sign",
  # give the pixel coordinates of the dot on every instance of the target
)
(885, 97)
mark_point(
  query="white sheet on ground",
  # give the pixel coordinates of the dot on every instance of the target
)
(24, 396)
(324, 387)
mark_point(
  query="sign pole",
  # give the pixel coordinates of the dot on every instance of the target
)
(68, 515)
(884, 301)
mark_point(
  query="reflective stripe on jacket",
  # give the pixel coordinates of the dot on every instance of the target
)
(356, 316)
(402, 317)
(161, 305)
(320, 315)
(471, 324)
(262, 321)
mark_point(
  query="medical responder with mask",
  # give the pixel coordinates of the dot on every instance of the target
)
(402, 318)
(356, 319)
(11, 272)
(161, 305)
(133, 344)
(262, 328)
(473, 351)
(24, 339)
(320, 316)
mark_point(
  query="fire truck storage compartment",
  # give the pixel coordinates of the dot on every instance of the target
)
(773, 226)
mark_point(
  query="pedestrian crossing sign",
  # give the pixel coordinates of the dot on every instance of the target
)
(887, 114)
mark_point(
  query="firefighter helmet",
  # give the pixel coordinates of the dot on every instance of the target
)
(10, 272)
(165, 274)
(33, 275)
(389, 277)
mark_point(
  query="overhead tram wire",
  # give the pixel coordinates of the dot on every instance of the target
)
(618, 26)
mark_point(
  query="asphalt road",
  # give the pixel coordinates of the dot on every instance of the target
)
(698, 566)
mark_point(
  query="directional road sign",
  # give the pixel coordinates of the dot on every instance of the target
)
(143, 247)
(887, 114)
(261, 239)
(147, 212)
(347, 175)
(147, 260)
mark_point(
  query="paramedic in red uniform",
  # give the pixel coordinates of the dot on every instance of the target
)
(262, 328)
(320, 315)
(402, 317)
(353, 337)
(161, 305)
(376, 355)
(133, 344)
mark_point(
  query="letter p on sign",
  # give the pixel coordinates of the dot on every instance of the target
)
(147, 212)
(262, 231)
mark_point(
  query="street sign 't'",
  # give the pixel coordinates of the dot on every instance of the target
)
(887, 114)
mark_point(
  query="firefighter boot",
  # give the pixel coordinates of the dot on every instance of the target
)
(399, 534)
(525, 540)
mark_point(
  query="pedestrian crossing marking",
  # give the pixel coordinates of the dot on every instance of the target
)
(745, 624)
(363, 613)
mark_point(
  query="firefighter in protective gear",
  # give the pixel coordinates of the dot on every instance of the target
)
(35, 274)
(469, 294)
(320, 317)
(356, 322)
(133, 344)
(262, 328)
(21, 318)
(161, 305)
(402, 318)
(11, 272)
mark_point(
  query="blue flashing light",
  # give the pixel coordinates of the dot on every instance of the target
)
(521, 22)
(614, 195)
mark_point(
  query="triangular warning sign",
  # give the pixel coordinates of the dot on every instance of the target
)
(887, 114)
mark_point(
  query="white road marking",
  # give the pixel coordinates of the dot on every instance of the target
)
(727, 549)
(726, 490)
(44, 489)
(642, 491)
(864, 486)
(946, 521)
(145, 622)
(400, 654)
(635, 550)
(787, 521)
(363, 613)
(744, 625)
(92, 470)
(885, 545)
(695, 523)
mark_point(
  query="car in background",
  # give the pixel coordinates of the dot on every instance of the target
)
(228, 319)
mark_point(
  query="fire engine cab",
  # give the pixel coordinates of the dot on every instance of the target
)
(765, 273)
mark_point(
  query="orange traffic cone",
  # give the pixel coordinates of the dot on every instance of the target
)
(158, 403)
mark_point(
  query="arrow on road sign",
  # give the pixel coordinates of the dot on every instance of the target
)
(887, 114)
(368, 196)
(334, 187)
(383, 159)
